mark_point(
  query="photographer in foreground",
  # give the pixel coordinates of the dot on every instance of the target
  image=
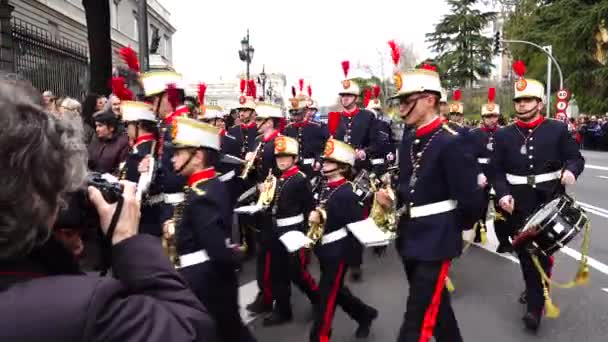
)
(45, 299)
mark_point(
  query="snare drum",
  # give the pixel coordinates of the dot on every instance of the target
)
(363, 185)
(555, 224)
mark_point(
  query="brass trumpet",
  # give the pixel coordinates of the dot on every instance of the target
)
(316, 225)
(385, 218)
(250, 163)
(168, 240)
(267, 194)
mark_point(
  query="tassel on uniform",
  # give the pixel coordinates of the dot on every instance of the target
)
(582, 276)
(449, 285)
(551, 310)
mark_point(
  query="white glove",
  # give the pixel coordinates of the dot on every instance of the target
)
(568, 178)
(507, 203)
(482, 180)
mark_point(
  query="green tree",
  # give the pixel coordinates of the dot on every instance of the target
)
(464, 54)
(570, 26)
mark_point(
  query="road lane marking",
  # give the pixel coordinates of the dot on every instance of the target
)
(597, 265)
(602, 177)
(605, 211)
(596, 167)
(605, 290)
(247, 294)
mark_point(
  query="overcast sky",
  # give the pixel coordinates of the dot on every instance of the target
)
(304, 39)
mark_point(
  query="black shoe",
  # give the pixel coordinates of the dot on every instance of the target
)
(523, 298)
(504, 248)
(365, 325)
(531, 321)
(356, 274)
(258, 306)
(277, 318)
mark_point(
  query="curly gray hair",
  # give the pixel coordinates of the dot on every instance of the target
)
(42, 158)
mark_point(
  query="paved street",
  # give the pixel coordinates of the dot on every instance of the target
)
(487, 287)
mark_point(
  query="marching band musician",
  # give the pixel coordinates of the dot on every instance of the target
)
(164, 89)
(528, 156)
(204, 260)
(245, 134)
(383, 151)
(482, 140)
(290, 207)
(334, 250)
(456, 114)
(142, 129)
(268, 120)
(311, 136)
(438, 193)
(356, 128)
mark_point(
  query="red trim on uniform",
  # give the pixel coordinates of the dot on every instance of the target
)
(271, 136)
(144, 138)
(531, 124)
(428, 127)
(222, 132)
(21, 274)
(331, 304)
(300, 124)
(180, 111)
(430, 317)
(267, 281)
(292, 171)
(444, 120)
(201, 175)
(307, 277)
(337, 183)
(351, 114)
(249, 125)
(366, 211)
(489, 129)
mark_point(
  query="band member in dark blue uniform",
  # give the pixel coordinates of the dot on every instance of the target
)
(482, 140)
(437, 197)
(338, 205)
(456, 114)
(534, 158)
(268, 119)
(143, 131)
(383, 152)
(204, 260)
(356, 128)
(164, 90)
(311, 136)
(292, 202)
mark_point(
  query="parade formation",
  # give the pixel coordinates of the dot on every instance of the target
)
(305, 192)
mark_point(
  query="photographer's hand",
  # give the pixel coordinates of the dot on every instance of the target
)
(128, 220)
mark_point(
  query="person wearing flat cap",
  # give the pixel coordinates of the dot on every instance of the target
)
(110, 149)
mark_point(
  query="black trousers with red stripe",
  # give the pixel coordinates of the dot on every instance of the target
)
(332, 292)
(264, 259)
(429, 311)
(287, 268)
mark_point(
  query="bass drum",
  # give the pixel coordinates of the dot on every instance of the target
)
(554, 225)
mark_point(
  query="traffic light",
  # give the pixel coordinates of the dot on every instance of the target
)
(497, 42)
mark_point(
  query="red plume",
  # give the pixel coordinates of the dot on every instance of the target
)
(426, 66)
(491, 94)
(251, 88)
(367, 95)
(173, 95)
(457, 95)
(309, 89)
(120, 89)
(376, 91)
(395, 52)
(293, 91)
(243, 84)
(333, 119)
(202, 89)
(345, 67)
(129, 56)
(301, 82)
(520, 68)
(254, 89)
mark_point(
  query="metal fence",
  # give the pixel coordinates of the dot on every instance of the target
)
(48, 63)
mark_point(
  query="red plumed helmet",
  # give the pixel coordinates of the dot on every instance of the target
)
(345, 68)
(243, 84)
(293, 91)
(426, 66)
(120, 89)
(457, 95)
(367, 95)
(173, 95)
(202, 89)
(376, 91)
(491, 94)
(129, 56)
(309, 89)
(301, 83)
(395, 52)
(519, 67)
(333, 119)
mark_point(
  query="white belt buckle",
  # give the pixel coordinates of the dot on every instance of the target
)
(483, 160)
(290, 221)
(308, 161)
(334, 236)
(433, 208)
(378, 161)
(192, 259)
(175, 198)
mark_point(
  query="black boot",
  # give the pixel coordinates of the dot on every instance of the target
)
(258, 306)
(523, 297)
(365, 325)
(277, 318)
(504, 248)
(532, 321)
(356, 274)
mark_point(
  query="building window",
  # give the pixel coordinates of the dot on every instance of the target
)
(114, 13)
(54, 30)
(166, 46)
(135, 26)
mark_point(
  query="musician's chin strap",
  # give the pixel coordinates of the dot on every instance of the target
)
(178, 171)
(533, 110)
